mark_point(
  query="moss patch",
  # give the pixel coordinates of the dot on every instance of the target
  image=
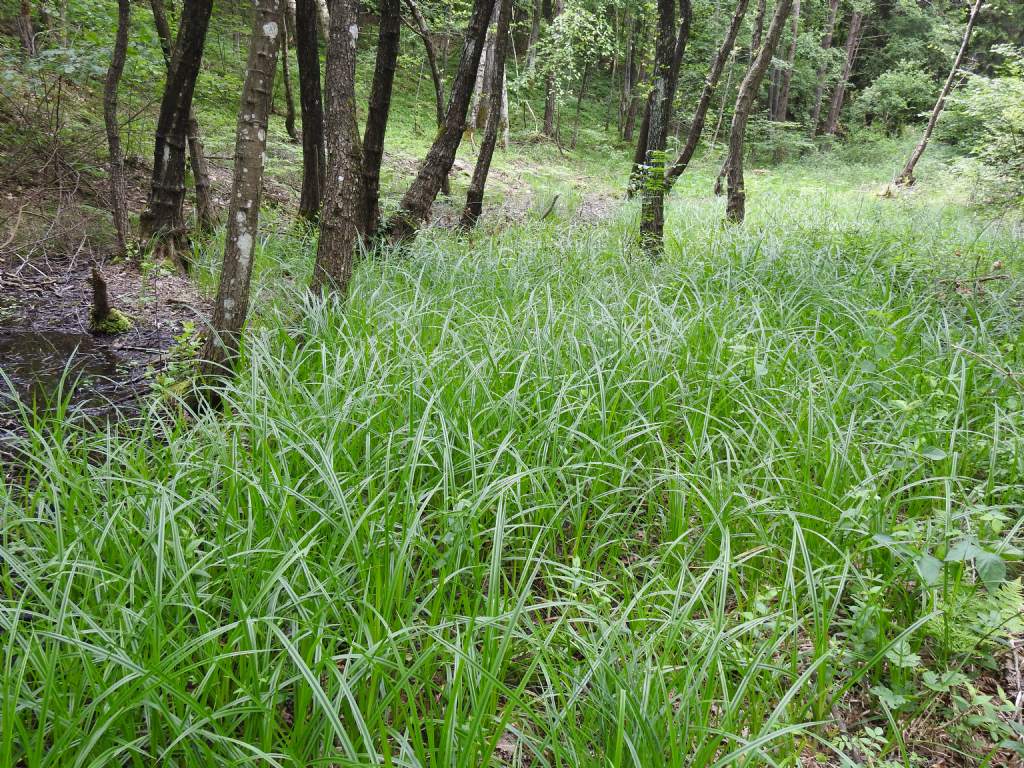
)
(115, 322)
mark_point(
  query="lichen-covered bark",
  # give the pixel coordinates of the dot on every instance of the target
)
(232, 303)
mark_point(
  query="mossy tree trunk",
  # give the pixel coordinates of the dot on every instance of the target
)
(314, 154)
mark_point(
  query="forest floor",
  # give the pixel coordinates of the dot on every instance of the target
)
(527, 498)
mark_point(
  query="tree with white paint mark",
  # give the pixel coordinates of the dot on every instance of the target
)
(231, 307)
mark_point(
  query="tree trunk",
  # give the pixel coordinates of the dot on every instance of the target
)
(852, 44)
(162, 222)
(550, 97)
(475, 195)
(415, 205)
(118, 198)
(232, 304)
(205, 214)
(435, 72)
(906, 176)
(289, 100)
(505, 127)
(25, 30)
(736, 203)
(786, 76)
(480, 103)
(668, 56)
(758, 29)
(341, 220)
(700, 114)
(826, 46)
(579, 104)
(389, 32)
(531, 46)
(323, 12)
(314, 155)
(629, 77)
(641, 154)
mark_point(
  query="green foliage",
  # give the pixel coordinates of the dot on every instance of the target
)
(529, 497)
(575, 38)
(896, 98)
(985, 116)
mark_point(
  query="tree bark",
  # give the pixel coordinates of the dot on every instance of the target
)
(668, 56)
(640, 154)
(550, 97)
(389, 31)
(118, 197)
(826, 46)
(436, 75)
(342, 218)
(531, 46)
(314, 154)
(786, 77)
(852, 44)
(475, 195)
(736, 202)
(418, 199)
(25, 30)
(710, 84)
(205, 214)
(758, 29)
(162, 222)
(423, 31)
(906, 176)
(289, 100)
(232, 304)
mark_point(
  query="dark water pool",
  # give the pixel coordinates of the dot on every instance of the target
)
(34, 363)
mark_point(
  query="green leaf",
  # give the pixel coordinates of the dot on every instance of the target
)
(933, 453)
(991, 569)
(930, 569)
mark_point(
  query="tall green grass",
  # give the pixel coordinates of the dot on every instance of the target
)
(531, 500)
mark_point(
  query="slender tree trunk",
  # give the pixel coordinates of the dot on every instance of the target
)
(480, 103)
(289, 100)
(579, 104)
(324, 14)
(721, 107)
(342, 217)
(826, 46)
(25, 29)
(436, 74)
(758, 29)
(415, 204)
(668, 58)
(531, 46)
(786, 76)
(162, 222)
(629, 75)
(475, 195)
(314, 154)
(388, 39)
(852, 44)
(205, 214)
(551, 11)
(906, 177)
(118, 198)
(736, 203)
(232, 304)
(505, 127)
(710, 84)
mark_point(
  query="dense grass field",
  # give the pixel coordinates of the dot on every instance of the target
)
(528, 499)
